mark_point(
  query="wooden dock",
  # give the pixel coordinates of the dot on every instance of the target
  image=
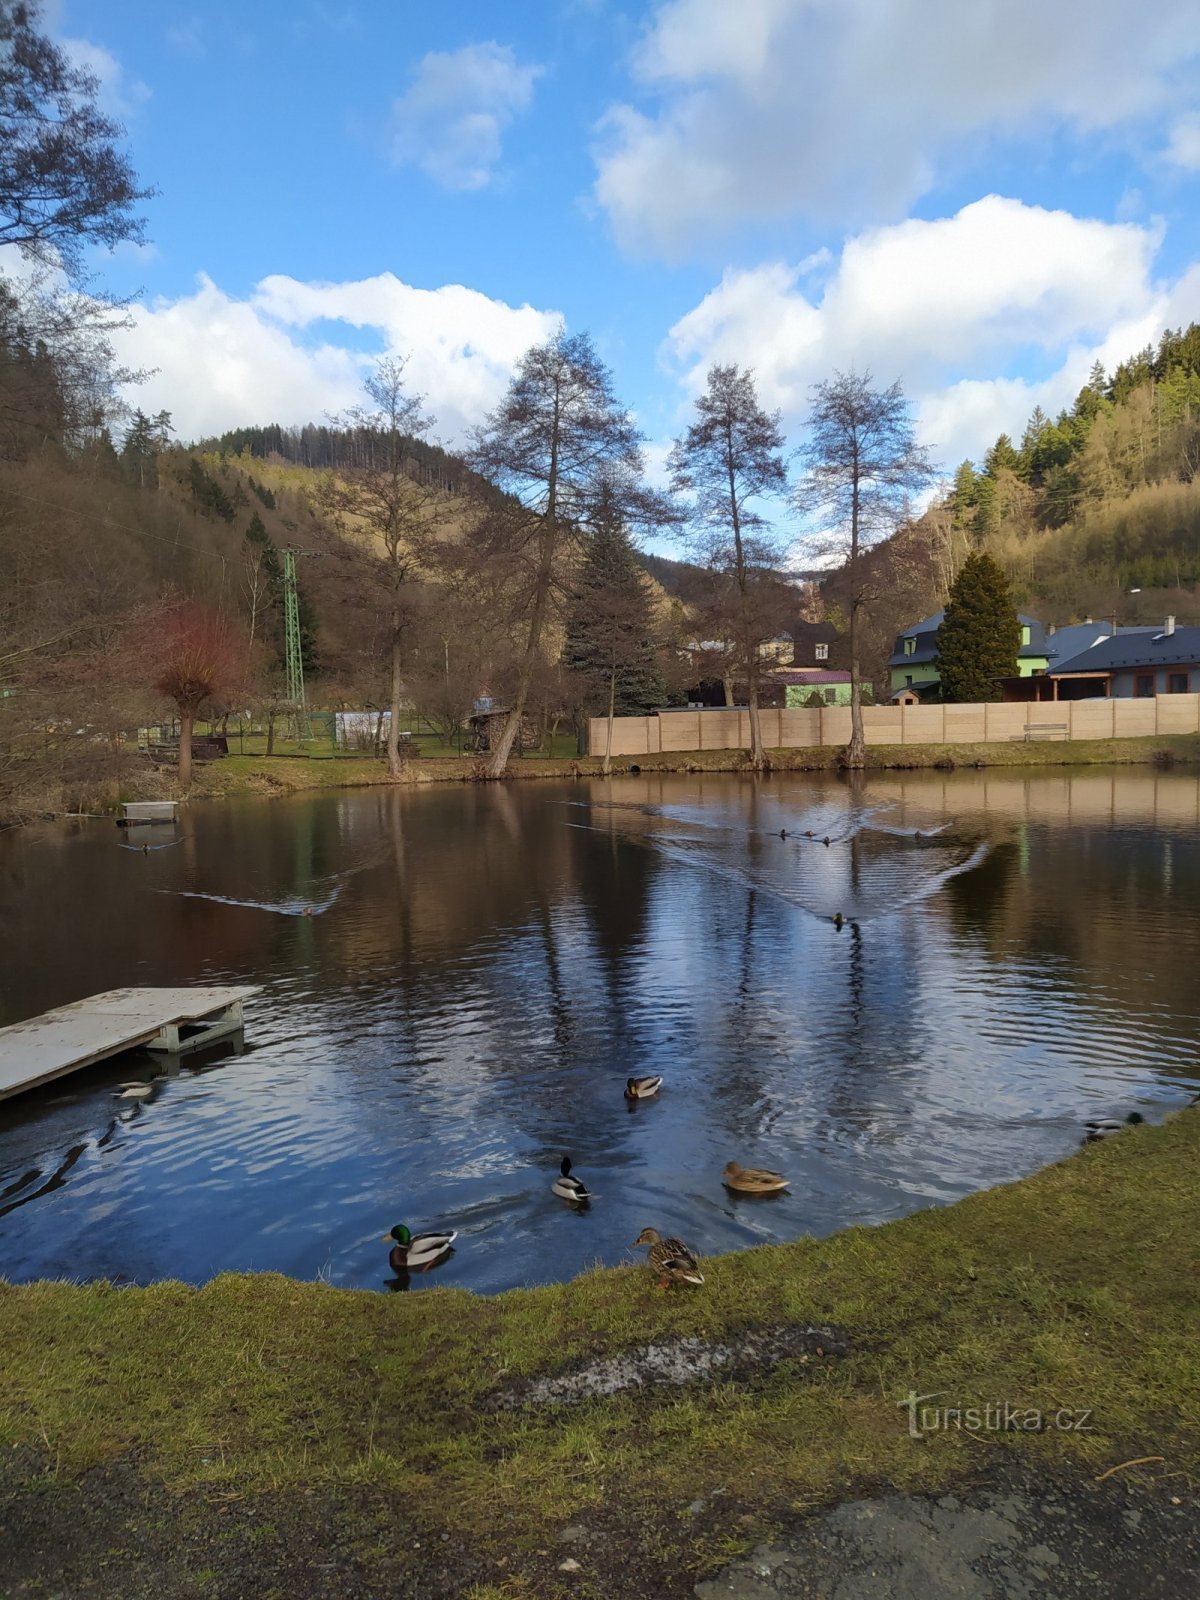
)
(149, 811)
(74, 1036)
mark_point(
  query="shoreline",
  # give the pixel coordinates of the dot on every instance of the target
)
(278, 776)
(259, 1402)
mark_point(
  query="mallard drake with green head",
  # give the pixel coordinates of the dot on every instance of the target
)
(752, 1180)
(670, 1258)
(568, 1188)
(1105, 1127)
(642, 1088)
(417, 1252)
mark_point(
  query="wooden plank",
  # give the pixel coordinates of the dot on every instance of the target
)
(87, 1031)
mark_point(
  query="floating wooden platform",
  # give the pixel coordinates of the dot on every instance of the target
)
(150, 811)
(74, 1036)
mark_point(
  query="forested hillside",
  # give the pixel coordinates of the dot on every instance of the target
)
(1095, 512)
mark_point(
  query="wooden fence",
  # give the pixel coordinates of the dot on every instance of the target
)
(970, 724)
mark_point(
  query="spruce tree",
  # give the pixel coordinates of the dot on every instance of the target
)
(981, 634)
(610, 627)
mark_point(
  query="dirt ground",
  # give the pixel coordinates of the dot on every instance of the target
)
(114, 1533)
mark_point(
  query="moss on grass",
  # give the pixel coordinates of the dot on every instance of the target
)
(1075, 1288)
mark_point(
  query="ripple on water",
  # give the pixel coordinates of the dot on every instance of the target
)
(494, 964)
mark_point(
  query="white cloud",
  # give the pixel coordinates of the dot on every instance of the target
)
(1184, 148)
(223, 363)
(119, 95)
(846, 109)
(450, 119)
(945, 306)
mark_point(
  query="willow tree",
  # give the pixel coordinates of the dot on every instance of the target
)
(862, 465)
(198, 659)
(728, 459)
(551, 444)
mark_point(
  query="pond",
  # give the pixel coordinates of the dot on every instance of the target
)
(484, 966)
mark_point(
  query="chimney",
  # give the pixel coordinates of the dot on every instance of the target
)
(1169, 627)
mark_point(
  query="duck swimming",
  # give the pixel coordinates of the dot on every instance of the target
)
(752, 1180)
(568, 1188)
(642, 1088)
(417, 1252)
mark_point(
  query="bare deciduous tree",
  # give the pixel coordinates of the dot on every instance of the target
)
(862, 466)
(730, 458)
(383, 496)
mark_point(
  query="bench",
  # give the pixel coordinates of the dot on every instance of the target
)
(1044, 730)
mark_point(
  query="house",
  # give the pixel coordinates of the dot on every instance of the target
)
(1135, 663)
(811, 645)
(913, 663)
(831, 686)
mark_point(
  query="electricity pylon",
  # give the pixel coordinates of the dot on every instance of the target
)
(293, 653)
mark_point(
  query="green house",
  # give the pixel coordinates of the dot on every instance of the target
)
(913, 663)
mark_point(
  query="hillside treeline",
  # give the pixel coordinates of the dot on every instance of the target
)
(1094, 512)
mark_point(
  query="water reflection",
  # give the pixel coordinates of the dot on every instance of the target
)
(484, 966)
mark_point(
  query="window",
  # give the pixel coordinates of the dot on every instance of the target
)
(830, 696)
(1143, 686)
(1177, 683)
(908, 679)
(822, 652)
(1024, 633)
(910, 647)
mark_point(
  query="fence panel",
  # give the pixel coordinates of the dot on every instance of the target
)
(1133, 717)
(923, 724)
(1090, 719)
(1177, 713)
(966, 724)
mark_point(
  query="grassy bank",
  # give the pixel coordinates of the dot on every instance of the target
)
(258, 774)
(1075, 1288)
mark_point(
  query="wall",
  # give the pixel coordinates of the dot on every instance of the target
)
(1124, 682)
(800, 727)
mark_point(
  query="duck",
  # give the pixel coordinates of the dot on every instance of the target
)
(568, 1188)
(783, 833)
(642, 1088)
(752, 1180)
(670, 1258)
(417, 1251)
(135, 1091)
(838, 919)
(1104, 1127)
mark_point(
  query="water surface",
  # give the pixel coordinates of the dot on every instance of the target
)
(484, 966)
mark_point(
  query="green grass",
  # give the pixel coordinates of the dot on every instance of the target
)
(1074, 1288)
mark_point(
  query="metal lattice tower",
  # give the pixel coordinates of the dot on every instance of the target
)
(293, 653)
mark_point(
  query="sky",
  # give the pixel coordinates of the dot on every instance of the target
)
(978, 200)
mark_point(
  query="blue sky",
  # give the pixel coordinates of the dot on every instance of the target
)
(977, 200)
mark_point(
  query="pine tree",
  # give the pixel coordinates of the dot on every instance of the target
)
(981, 634)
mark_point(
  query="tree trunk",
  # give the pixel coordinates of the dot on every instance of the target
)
(758, 754)
(855, 753)
(271, 731)
(393, 738)
(512, 723)
(727, 681)
(612, 709)
(186, 719)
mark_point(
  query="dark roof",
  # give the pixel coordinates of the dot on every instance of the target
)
(799, 675)
(1135, 648)
(925, 632)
